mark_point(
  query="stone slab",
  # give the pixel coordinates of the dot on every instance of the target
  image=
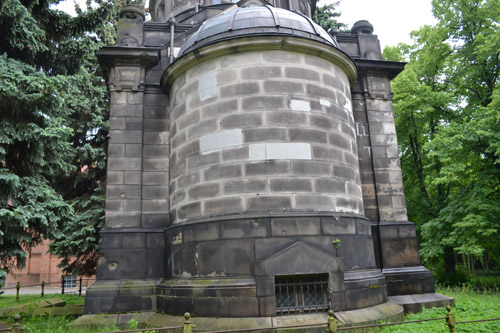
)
(416, 302)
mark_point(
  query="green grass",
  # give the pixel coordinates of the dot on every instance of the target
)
(10, 300)
(469, 306)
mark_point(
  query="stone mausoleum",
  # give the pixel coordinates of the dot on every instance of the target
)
(253, 167)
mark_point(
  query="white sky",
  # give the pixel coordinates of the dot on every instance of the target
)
(392, 20)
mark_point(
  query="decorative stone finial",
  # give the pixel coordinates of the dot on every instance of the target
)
(362, 26)
(132, 11)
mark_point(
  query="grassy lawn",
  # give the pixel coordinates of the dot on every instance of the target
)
(10, 300)
(469, 306)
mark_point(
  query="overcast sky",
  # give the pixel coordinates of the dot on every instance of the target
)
(392, 20)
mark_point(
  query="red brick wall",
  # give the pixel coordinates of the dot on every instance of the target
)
(40, 266)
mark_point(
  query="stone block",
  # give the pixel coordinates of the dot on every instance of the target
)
(307, 135)
(155, 150)
(223, 171)
(235, 154)
(188, 149)
(313, 90)
(271, 167)
(178, 197)
(339, 141)
(123, 220)
(219, 108)
(132, 206)
(244, 229)
(152, 138)
(283, 87)
(155, 164)
(262, 103)
(178, 169)
(301, 73)
(198, 161)
(313, 202)
(260, 72)
(241, 120)
(219, 140)
(349, 205)
(116, 149)
(133, 240)
(280, 56)
(134, 123)
(223, 206)
(338, 226)
(126, 110)
(290, 184)
(344, 172)
(188, 179)
(125, 136)
(188, 211)
(244, 186)
(155, 240)
(155, 112)
(310, 168)
(123, 191)
(117, 123)
(208, 190)
(132, 177)
(156, 125)
(188, 119)
(110, 241)
(201, 232)
(293, 226)
(226, 76)
(266, 203)
(115, 177)
(239, 89)
(334, 82)
(264, 134)
(133, 149)
(155, 205)
(286, 118)
(324, 122)
(202, 128)
(329, 185)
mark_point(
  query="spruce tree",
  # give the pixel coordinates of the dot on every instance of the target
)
(53, 130)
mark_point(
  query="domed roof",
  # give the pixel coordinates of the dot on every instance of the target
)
(255, 21)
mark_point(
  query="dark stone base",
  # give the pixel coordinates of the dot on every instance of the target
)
(409, 280)
(415, 303)
(121, 296)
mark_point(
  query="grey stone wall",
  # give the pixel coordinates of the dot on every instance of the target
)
(259, 132)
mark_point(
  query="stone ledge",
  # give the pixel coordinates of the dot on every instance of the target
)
(383, 312)
(416, 302)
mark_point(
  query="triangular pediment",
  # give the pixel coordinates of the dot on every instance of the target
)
(300, 258)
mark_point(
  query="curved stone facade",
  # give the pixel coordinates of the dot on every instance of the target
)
(262, 131)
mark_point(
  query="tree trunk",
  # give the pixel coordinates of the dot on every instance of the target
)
(449, 260)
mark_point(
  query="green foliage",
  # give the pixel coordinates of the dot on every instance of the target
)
(326, 17)
(10, 300)
(53, 130)
(447, 107)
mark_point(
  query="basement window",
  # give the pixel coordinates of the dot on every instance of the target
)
(69, 281)
(301, 293)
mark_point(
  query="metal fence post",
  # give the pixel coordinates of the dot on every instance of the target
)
(62, 284)
(450, 320)
(18, 286)
(80, 289)
(332, 323)
(16, 327)
(188, 327)
(43, 288)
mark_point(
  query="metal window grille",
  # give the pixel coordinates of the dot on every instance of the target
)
(301, 293)
(69, 281)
